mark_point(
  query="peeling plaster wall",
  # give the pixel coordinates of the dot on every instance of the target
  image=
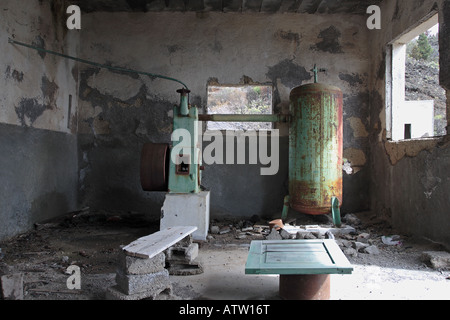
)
(38, 154)
(119, 112)
(410, 180)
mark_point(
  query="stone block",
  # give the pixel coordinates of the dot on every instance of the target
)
(183, 254)
(139, 266)
(153, 283)
(185, 269)
(185, 242)
(114, 293)
(437, 259)
(12, 286)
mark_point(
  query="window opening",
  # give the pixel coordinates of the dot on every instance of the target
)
(417, 102)
(245, 99)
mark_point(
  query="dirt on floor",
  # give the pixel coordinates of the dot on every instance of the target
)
(92, 240)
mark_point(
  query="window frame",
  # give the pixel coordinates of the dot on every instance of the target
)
(239, 86)
(395, 73)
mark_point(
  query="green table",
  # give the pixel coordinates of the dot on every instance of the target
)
(304, 266)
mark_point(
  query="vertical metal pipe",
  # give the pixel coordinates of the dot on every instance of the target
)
(184, 101)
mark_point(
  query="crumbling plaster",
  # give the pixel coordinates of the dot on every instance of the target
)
(409, 179)
(38, 144)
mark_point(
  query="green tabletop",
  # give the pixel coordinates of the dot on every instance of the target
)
(291, 257)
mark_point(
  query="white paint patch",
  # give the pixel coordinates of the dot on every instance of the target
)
(116, 85)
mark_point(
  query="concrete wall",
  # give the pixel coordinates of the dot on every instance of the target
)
(119, 112)
(38, 154)
(409, 180)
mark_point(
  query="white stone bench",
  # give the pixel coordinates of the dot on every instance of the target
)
(141, 273)
(149, 246)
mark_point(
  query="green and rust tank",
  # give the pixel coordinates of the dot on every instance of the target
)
(315, 148)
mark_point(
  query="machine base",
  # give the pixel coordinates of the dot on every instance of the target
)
(187, 209)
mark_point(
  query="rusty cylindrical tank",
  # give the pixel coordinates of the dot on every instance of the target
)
(315, 148)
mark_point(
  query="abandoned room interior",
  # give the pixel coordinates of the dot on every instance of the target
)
(225, 150)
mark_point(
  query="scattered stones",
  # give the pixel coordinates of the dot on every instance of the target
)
(352, 219)
(224, 230)
(305, 235)
(373, 249)
(214, 229)
(360, 246)
(286, 235)
(350, 252)
(274, 235)
(363, 237)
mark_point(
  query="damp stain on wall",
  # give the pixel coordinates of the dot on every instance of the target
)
(30, 109)
(330, 41)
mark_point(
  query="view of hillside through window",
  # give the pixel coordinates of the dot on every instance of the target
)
(422, 76)
(247, 99)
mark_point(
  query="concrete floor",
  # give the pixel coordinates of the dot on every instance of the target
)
(92, 241)
(224, 278)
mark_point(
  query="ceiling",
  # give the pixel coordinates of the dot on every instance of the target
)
(266, 6)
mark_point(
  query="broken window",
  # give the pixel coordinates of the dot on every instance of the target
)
(239, 99)
(416, 103)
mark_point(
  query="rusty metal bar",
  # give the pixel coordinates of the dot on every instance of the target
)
(244, 117)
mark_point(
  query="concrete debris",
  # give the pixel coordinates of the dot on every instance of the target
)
(305, 235)
(373, 249)
(319, 232)
(350, 252)
(274, 235)
(285, 234)
(351, 219)
(436, 259)
(214, 229)
(241, 235)
(363, 237)
(360, 246)
(224, 230)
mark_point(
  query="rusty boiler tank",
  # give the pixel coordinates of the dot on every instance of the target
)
(315, 148)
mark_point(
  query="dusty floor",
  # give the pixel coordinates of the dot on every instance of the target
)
(92, 241)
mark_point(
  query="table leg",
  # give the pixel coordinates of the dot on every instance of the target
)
(305, 287)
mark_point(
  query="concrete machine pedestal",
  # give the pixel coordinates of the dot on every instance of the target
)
(187, 209)
(304, 266)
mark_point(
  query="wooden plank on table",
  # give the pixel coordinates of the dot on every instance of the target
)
(149, 246)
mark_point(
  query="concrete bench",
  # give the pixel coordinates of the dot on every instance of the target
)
(141, 272)
(149, 246)
(304, 265)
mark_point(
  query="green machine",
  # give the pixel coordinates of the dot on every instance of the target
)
(175, 169)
